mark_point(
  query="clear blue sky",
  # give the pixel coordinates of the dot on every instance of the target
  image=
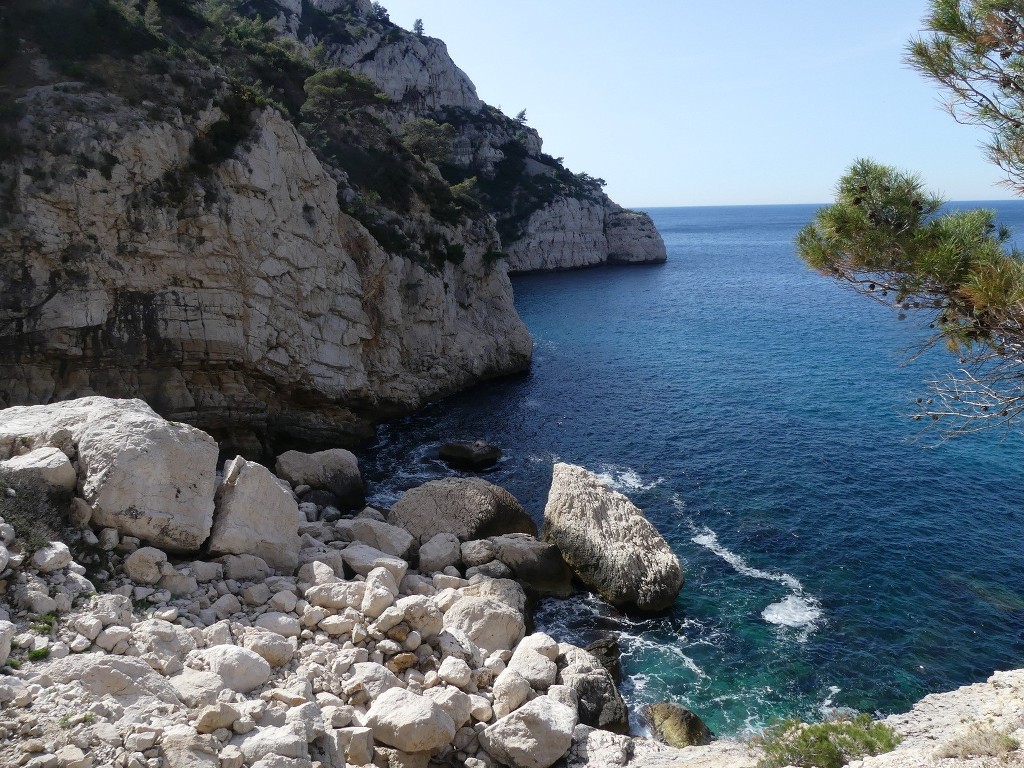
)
(679, 102)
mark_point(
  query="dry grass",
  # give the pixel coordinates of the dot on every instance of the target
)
(981, 740)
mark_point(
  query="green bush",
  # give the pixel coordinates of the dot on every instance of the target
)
(825, 745)
(38, 654)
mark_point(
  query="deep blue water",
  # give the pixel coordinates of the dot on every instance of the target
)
(759, 413)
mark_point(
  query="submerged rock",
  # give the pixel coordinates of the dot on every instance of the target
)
(609, 543)
(472, 456)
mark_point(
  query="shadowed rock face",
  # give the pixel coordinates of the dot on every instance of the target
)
(266, 317)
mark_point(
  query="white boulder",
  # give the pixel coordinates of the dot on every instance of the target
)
(609, 543)
(409, 722)
(363, 559)
(144, 565)
(468, 507)
(47, 465)
(256, 514)
(490, 624)
(335, 470)
(387, 538)
(534, 736)
(147, 477)
(241, 669)
(52, 557)
(440, 552)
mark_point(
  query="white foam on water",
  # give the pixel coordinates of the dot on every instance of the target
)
(624, 479)
(792, 611)
(797, 610)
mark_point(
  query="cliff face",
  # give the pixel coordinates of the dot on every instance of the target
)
(216, 207)
(548, 217)
(573, 232)
(249, 304)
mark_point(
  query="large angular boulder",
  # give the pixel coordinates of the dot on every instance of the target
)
(335, 470)
(409, 722)
(490, 624)
(609, 543)
(256, 515)
(538, 564)
(468, 507)
(49, 466)
(534, 736)
(145, 476)
(387, 538)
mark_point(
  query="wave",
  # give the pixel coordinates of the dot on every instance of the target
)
(624, 479)
(798, 610)
(792, 611)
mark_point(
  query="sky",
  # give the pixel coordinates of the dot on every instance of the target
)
(680, 102)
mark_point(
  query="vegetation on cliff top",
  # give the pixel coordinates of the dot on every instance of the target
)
(232, 53)
(830, 744)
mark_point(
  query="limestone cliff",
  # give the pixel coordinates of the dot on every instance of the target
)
(215, 207)
(549, 218)
(574, 232)
(237, 296)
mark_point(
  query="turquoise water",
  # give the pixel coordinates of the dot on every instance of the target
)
(835, 554)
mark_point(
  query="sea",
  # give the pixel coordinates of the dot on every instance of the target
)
(839, 555)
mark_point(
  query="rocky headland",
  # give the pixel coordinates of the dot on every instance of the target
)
(279, 221)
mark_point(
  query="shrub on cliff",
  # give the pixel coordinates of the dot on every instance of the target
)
(825, 745)
(432, 141)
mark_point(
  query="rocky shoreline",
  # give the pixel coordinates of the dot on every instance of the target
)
(190, 617)
(183, 615)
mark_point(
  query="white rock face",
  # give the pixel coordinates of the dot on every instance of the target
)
(409, 722)
(607, 540)
(124, 679)
(146, 477)
(271, 283)
(417, 70)
(239, 668)
(256, 515)
(47, 465)
(489, 623)
(573, 232)
(534, 736)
